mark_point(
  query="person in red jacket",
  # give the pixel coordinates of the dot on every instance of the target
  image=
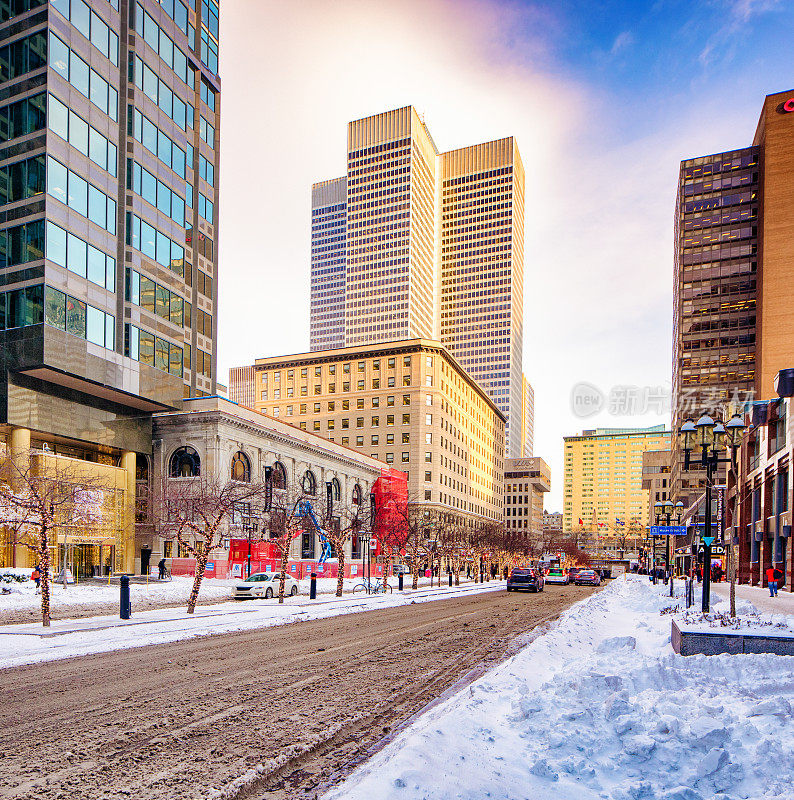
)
(771, 579)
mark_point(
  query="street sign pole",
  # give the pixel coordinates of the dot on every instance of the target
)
(707, 540)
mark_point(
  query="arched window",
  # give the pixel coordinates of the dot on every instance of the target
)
(279, 476)
(356, 495)
(241, 467)
(336, 490)
(309, 483)
(185, 463)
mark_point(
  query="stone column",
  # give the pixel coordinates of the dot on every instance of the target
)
(128, 557)
(19, 452)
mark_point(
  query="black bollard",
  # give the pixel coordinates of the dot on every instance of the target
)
(313, 587)
(400, 581)
(449, 575)
(125, 608)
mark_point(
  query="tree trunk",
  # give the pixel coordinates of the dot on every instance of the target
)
(201, 563)
(340, 578)
(283, 578)
(44, 570)
(415, 571)
(456, 569)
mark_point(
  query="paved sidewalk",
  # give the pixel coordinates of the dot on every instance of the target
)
(759, 597)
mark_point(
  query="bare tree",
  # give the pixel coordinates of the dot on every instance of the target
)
(350, 522)
(42, 496)
(197, 513)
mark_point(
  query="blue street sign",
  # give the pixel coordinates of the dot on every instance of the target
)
(668, 530)
(707, 540)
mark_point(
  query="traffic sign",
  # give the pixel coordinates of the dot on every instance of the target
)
(668, 530)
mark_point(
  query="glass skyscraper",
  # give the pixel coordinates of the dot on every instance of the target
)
(109, 122)
(432, 246)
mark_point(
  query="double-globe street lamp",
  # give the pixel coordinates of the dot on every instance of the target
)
(665, 509)
(712, 439)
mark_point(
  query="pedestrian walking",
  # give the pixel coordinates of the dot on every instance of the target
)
(161, 567)
(36, 576)
(772, 576)
(468, 571)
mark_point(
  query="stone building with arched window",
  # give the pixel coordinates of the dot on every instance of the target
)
(215, 438)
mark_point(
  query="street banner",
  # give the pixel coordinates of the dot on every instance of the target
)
(668, 530)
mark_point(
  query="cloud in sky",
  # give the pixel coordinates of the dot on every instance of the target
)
(600, 172)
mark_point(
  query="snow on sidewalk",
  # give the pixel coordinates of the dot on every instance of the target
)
(600, 707)
(30, 643)
(88, 596)
(758, 596)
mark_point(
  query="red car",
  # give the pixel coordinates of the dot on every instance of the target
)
(587, 577)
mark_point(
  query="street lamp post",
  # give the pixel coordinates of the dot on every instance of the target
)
(666, 509)
(250, 525)
(711, 438)
(365, 538)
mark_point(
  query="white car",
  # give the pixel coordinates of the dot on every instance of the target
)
(264, 584)
(557, 575)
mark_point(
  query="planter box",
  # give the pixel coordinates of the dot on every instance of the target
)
(688, 642)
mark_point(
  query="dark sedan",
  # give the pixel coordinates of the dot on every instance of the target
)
(587, 577)
(525, 579)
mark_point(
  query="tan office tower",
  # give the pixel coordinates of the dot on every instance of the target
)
(433, 248)
(482, 272)
(527, 418)
(390, 281)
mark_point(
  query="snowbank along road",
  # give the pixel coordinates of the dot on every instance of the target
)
(275, 713)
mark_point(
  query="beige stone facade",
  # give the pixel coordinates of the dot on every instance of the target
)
(408, 404)
(526, 481)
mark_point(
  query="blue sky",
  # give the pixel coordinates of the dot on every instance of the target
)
(604, 98)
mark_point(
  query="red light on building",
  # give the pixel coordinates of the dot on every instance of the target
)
(788, 106)
(391, 499)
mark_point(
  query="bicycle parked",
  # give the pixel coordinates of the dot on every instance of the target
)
(372, 587)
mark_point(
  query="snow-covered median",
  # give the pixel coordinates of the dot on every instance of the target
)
(21, 600)
(30, 643)
(601, 707)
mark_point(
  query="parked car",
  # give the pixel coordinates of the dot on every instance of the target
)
(587, 577)
(525, 579)
(557, 575)
(264, 584)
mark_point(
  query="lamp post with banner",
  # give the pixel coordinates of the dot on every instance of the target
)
(712, 439)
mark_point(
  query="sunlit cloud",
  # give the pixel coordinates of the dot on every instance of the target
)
(598, 265)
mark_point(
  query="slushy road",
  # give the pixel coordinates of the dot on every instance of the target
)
(297, 706)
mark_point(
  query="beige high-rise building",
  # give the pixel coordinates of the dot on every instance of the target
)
(603, 477)
(408, 404)
(527, 418)
(417, 243)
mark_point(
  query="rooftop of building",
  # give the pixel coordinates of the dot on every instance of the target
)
(598, 433)
(228, 408)
(382, 349)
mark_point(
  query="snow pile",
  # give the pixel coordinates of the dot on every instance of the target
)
(601, 707)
